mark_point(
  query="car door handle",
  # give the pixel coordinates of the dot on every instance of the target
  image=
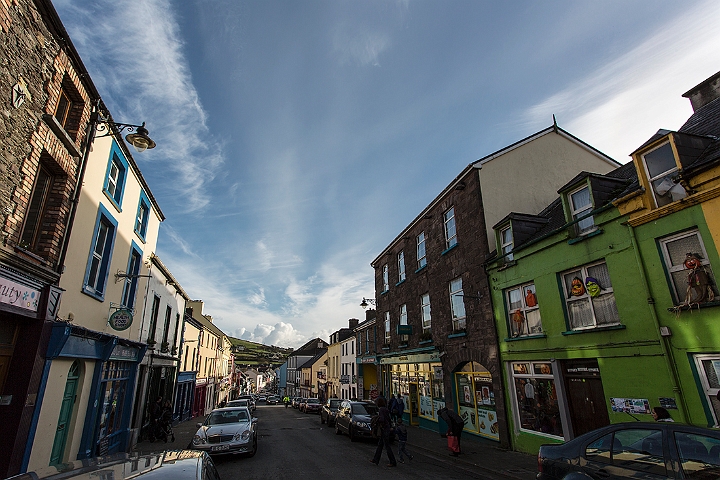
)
(603, 473)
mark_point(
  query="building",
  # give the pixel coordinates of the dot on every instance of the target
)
(295, 361)
(313, 374)
(210, 366)
(366, 357)
(185, 406)
(335, 368)
(348, 364)
(49, 100)
(436, 331)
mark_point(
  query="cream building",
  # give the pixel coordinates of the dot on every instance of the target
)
(348, 369)
(93, 356)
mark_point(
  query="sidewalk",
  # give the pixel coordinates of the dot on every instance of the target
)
(477, 455)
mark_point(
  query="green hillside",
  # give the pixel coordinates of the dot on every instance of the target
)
(256, 354)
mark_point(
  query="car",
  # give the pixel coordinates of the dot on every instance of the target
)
(262, 398)
(312, 405)
(228, 430)
(168, 465)
(329, 410)
(296, 402)
(272, 400)
(354, 417)
(250, 398)
(647, 450)
(242, 402)
(301, 404)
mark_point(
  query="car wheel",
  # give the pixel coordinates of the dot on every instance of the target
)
(254, 448)
(337, 428)
(351, 433)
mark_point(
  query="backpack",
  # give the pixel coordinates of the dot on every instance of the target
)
(375, 427)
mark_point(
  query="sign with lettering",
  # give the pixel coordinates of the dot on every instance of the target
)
(121, 352)
(121, 319)
(18, 295)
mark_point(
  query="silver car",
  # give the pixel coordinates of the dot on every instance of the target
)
(226, 431)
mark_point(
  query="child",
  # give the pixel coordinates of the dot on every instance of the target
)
(401, 432)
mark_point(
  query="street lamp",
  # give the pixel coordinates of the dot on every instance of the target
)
(137, 134)
(367, 301)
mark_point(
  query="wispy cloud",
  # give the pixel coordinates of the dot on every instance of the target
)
(357, 47)
(135, 57)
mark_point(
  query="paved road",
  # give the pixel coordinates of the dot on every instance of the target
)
(293, 445)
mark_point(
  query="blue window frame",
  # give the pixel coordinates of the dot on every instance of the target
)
(131, 281)
(115, 176)
(143, 215)
(98, 266)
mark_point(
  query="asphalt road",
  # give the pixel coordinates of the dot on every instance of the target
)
(293, 445)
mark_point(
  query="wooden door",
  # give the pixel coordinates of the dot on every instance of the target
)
(66, 409)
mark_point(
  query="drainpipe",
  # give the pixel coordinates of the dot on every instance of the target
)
(669, 357)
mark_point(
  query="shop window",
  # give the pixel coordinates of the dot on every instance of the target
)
(589, 297)
(536, 403)
(113, 388)
(476, 400)
(662, 173)
(688, 268)
(523, 311)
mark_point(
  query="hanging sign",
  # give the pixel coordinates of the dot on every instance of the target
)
(121, 319)
(17, 295)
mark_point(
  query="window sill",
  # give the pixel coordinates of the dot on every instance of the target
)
(457, 335)
(696, 306)
(90, 293)
(421, 268)
(112, 200)
(448, 249)
(425, 342)
(400, 282)
(525, 337)
(403, 345)
(584, 237)
(508, 264)
(596, 329)
(384, 292)
(387, 349)
(140, 236)
(62, 135)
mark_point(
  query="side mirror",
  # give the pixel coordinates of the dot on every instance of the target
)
(254, 420)
(198, 425)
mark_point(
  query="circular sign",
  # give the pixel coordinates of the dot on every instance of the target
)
(121, 319)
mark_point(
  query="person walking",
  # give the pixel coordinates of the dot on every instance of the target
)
(400, 406)
(402, 434)
(392, 406)
(455, 425)
(385, 424)
(660, 414)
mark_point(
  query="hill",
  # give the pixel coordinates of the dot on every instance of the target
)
(256, 354)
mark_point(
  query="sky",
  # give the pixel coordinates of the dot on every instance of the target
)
(296, 139)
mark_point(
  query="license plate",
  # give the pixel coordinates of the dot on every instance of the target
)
(220, 448)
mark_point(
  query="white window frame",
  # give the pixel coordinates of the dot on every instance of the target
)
(530, 374)
(709, 391)
(506, 246)
(679, 297)
(524, 329)
(403, 314)
(450, 228)
(585, 297)
(387, 328)
(577, 212)
(421, 253)
(425, 312)
(660, 175)
(386, 278)
(458, 320)
(401, 266)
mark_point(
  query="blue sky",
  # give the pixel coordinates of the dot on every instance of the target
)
(297, 139)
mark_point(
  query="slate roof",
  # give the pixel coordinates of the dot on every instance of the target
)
(314, 359)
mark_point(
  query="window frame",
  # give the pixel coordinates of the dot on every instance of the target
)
(670, 268)
(141, 223)
(458, 322)
(421, 250)
(133, 270)
(401, 266)
(449, 222)
(575, 213)
(152, 328)
(567, 298)
(103, 272)
(385, 278)
(504, 250)
(387, 328)
(524, 308)
(116, 158)
(37, 209)
(426, 320)
(659, 176)
(403, 314)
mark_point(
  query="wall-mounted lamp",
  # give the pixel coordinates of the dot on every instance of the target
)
(367, 301)
(137, 134)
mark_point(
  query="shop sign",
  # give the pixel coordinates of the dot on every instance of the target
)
(420, 358)
(18, 295)
(121, 352)
(121, 319)
(368, 360)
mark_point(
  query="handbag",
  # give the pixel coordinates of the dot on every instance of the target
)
(453, 443)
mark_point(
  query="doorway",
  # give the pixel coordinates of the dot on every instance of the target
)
(586, 398)
(66, 410)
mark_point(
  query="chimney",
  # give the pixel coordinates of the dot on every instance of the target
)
(369, 314)
(353, 322)
(704, 93)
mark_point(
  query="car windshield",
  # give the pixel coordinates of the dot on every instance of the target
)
(334, 403)
(313, 400)
(228, 416)
(364, 409)
(237, 403)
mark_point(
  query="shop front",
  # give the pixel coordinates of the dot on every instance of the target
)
(199, 397)
(184, 396)
(367, 378)
(476, 400)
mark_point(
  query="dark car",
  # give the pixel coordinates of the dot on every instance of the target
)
(272, 400)
(169, 465)
(635, 450)
(296, 402)
(353, 418)
(312, 405)
(329, 410)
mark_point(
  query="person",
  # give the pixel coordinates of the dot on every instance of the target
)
(155, 415)
(455, 425)
(385, 424)
(400, 406)
(660, 414)
(286, 400)
(402, 434)
(392, 406)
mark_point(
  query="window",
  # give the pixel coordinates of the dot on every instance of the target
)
(367, 341)
(536, 404)
(580, 205)
(69, 108)
(386, 278)
(699, 454)
(143, 214)
(506, 243)
(450, 233)
(115, 177)
(708, 368)
(37, 209)
(387, 327)
(457, 304)
(175, 332)
(425, 312)
(421, 258)
(131, 280)
(166, 329)
(401, 267)
(97, 271)
(523, 311)
(685, 260)
(632, 449)
(589, 297)
(403, 314)
(153, 318)
(62, 112)
(662, 175)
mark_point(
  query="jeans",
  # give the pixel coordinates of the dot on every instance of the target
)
(384, 441)
(402, 450)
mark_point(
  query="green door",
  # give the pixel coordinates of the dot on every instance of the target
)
(66, 409)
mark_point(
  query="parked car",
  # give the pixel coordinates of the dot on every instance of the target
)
(296, 402)
(312, 405)
(329, 410)
(634, 450)
(353, 418)
(169, 465)
(272, 400)
(301, 404)
(250, 398)
(242, 402)
(226, 431)
(262, 398)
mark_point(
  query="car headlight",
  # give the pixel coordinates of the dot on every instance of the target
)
(362, 425)
(244, 435)
(197, 440)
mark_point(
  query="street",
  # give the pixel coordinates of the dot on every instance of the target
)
(293, 445)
